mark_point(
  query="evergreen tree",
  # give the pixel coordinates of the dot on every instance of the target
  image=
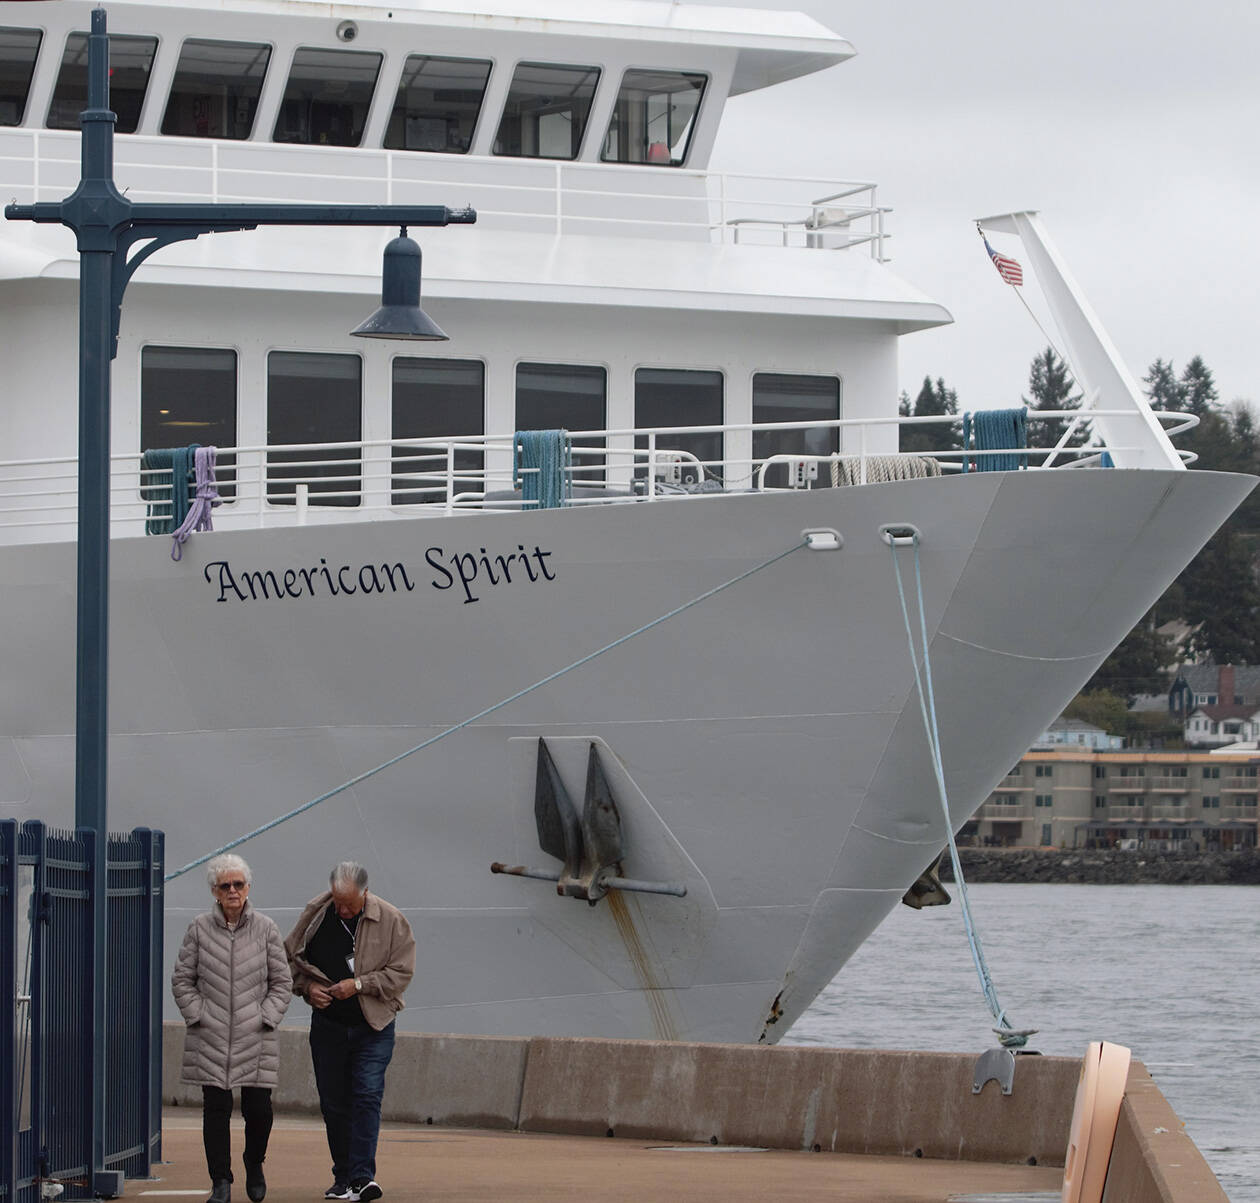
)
(934, 400)
(1222, 599)
(1162, 386)
(1138, 665)
(1197, 388)
(1051, 386)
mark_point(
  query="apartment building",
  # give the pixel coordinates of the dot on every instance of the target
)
(1067, 797)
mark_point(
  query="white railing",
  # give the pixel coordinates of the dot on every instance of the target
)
(290, 484)
(535, 195)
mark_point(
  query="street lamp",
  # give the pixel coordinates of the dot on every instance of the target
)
(107, 225)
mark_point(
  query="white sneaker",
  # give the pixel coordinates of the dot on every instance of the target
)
(339, 1190)
(368, 1191)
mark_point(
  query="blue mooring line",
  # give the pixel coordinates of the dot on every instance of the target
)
(201, 860)
(1009, 1037)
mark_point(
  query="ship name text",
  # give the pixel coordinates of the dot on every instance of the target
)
(469, 574)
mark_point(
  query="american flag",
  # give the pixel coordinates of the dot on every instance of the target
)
(1008, 268)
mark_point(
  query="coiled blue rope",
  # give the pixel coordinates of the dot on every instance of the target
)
(993, 430)
(1008, 1037)
(542, 468)
(332, 793)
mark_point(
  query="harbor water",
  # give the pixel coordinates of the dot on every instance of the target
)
(1171, 972)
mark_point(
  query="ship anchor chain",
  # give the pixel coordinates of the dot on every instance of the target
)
(590, 845)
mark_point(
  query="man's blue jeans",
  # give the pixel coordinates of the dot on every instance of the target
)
(350, 1063)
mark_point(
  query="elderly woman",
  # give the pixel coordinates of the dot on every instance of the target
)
(232, 986)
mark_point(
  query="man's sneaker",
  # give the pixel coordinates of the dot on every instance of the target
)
(368, 1191)
(340, 1190)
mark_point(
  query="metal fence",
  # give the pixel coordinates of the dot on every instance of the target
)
(46, 1031)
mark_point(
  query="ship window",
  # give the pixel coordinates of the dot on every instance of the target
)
(680, 397)
(216, 88)
(327, 98)
(437, 104)
(546, 111)
(784, 398)
(653, 117)
(18, 50)
(314, 398)
(551, 396)
(188, 395)
(435, 399)
(129, 61)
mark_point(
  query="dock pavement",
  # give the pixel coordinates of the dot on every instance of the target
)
(462, 1165)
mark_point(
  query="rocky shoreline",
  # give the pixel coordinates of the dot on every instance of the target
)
(1106, 867)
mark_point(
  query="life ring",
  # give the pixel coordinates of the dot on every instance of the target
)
(1095, 1115)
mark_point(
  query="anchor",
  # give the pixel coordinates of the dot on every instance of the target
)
(590, 845)
(927, 889)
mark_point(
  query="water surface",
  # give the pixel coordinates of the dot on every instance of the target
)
(1171, 972)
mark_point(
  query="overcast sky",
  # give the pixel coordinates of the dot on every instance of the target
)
(1133, 126)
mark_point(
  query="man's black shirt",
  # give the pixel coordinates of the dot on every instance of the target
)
(330, 950)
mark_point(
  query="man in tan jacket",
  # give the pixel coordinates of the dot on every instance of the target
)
(352, 955)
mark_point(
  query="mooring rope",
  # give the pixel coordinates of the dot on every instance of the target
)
(204, 500)
(1008, 1037)
(647, 626)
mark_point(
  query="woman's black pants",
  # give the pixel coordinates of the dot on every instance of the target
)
(216, 1114)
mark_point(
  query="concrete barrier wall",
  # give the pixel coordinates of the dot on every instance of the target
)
(1153, 1160)
(840, 1100)
(453, 1081)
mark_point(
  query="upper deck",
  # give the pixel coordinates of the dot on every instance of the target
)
(453, 99)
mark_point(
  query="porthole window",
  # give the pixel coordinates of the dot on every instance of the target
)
(216, 89)
(437, 104)
(327, 97)
(653, 117)
(546, 111)
(681, 397)
(130, 59)
(314, 398)
(188, 395)
(436, 399)
(18, 50)
(779, 397)
(565, 396)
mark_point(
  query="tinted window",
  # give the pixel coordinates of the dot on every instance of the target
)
(216, 87)
(653, 117)
(18, 48)
(680, 397)
(327, 98)
(314, 398)
(188, 395)
(437, 104)
(565, 396)
(436, 398)
(546, 111)
(783, 398)
(129, 61)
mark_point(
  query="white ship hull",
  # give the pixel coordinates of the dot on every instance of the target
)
(765, 747)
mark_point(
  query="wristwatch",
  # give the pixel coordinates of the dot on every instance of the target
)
(358, 985)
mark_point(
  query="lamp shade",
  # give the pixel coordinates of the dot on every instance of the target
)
(400, 315)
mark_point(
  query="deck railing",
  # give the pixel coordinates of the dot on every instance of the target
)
(292, 484)
(541, 196)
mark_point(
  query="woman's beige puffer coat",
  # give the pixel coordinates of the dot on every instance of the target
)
(232, 988)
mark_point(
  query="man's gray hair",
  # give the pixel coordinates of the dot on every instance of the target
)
(227, 862)
(349, 873)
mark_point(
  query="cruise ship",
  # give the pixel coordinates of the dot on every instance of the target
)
(599, 625)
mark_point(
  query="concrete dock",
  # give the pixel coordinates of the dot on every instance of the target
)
(489, 1118)
(463, 1165)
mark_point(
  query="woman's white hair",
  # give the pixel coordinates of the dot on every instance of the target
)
(227, 862)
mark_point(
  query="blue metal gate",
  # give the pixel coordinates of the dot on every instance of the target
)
(46, 1030)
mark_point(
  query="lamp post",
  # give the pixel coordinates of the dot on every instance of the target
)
(107, 226)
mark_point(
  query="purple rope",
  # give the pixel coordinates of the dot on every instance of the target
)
(205, 499)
